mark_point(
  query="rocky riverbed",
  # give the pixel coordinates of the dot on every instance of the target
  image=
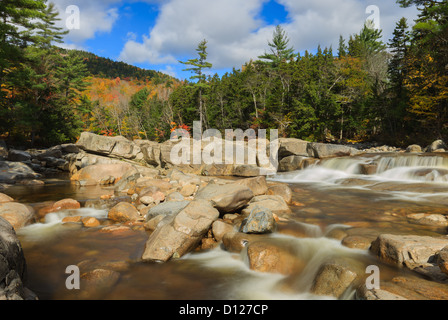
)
(125, 215)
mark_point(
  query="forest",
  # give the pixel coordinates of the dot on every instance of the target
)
(365, 90)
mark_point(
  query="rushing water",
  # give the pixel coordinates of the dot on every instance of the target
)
(333, 194)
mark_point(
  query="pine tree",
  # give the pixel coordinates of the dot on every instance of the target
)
(280, 52)
(198, 66)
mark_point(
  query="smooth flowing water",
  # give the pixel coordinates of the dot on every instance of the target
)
(333, 194)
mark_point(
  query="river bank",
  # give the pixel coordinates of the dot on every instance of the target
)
(140, 228)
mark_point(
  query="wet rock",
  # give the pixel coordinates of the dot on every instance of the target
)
(65, 204)
(147, 200)
(123, 212)
(281, 189)
(18, 156)
(220, 228)
(357, 242)
(260, 220)
(436, 145)
(97, 283)
(11, 172)
(182, 234)
(93, 174)
(408, 250)
(5, 198)
(226, 198)
(414, 148)
(72, 219)
(90, 222)
(335, 277)
(292, 163)
(368, 169)
(413, 288)
(272, 257)
(17, 214)
(442, 260)
(12, 265)
(362, 293)
(276, 204)
(236, 241)
(428, 219)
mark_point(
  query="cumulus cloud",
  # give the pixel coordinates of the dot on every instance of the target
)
(235, 32)
(94, 17)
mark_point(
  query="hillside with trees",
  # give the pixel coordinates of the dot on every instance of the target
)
(393, 92)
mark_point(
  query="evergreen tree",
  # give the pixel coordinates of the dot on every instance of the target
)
(279, 50)
(198, 66)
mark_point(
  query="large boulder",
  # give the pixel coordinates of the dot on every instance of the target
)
(276, 204)
(258, 185)
(5, 198)
(292, 163)
(18, 155)
(292, 147)
(336, 276)
(94, 174)
(182, 233)
(408, 250)
(17, 214)
(324, 150)
(12, 265)
(226, 198)
(124, 211)
(436, 145)
(11, 172)
(273, 257)
(118, 147)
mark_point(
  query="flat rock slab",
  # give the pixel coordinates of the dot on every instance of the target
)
(408, 250)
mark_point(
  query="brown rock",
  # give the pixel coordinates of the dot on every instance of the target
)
(65, 204)
(5, 198)
(266, 256)
(181, 233)
(93, 174)
(442, 260)
(97, 283)
(220, 228)
(258, 185)
(188, 190)
(90, 222)
(17, 214)
(123, 212)
(226, 198)
(409, 250)
(357, 242)
(72, 219)
(282, 190)
(236, 241)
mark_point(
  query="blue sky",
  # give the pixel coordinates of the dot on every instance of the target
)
(156, 34)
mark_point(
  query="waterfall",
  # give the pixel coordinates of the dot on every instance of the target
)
(399, 167)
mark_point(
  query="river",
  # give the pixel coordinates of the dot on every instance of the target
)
(330, 195)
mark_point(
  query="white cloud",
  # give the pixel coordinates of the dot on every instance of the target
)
(236, 34)
(95, 16)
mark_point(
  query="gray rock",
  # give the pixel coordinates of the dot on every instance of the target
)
(292, 163)
(436, 145)
(12, 265)
(10, 172)
(323, 150)
(292, 147)
(18, 156)
(167, 208)
(260, 220)
(226, 198)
